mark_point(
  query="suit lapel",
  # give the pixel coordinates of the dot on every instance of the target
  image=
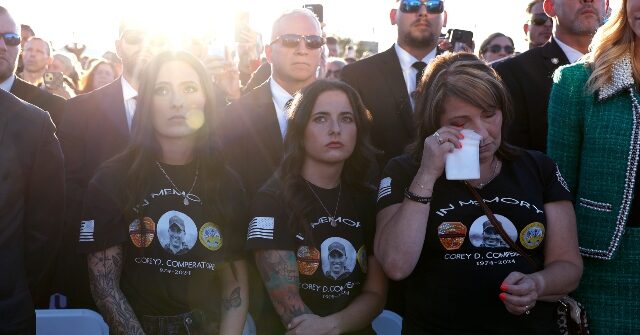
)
(111, 103)
(553, 55)
(267, 122)
(392, 72)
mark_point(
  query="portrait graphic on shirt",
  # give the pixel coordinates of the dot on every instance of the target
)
(484, 235)
(338, 258)
(177, 233)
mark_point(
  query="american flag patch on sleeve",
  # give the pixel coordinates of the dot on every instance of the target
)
(86, 231)
(261, 227)
(385, 188)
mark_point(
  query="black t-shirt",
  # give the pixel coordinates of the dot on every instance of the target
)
(171, 255)
(332, 263)
(455, 286)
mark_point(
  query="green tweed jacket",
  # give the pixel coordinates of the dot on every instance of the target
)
(595, 140)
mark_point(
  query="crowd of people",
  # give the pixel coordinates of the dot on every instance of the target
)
(175, 191)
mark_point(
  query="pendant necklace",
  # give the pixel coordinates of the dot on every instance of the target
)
(493, 173)
(335, 211)
(186, 194)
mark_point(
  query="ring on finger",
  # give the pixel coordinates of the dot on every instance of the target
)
(527, 310)
(438, 138)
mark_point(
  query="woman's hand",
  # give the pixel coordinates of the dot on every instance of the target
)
(519, 293)
(312, 324)
(436, 148)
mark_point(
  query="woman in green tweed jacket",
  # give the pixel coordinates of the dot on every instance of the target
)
(594, 136)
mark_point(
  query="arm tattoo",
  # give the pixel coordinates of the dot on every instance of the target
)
(234, 300)
(105, 268)
(280, 275)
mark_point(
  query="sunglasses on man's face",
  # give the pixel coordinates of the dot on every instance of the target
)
(11, 39)
(497, 48)
(293, 40)
(539, 19)
(413, 6)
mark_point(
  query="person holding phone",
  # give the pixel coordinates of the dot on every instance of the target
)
(162, 223)
(430, 230)
(313, 221)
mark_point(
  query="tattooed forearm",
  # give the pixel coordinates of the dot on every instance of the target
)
(105, 268)
(280, 276)
(234, 300)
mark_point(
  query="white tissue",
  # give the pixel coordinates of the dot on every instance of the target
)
(464, 163)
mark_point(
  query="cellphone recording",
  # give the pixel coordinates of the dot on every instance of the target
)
(460, 39)
(316, 9)
(53, 80)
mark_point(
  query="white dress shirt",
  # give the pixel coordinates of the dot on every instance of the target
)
(8, 83)
(280, 97)
(572, 54)
(129, 94)
(408, 71)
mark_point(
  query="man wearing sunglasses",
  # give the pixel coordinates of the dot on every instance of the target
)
(96, 127)
(9, 51)
(31, 197)
(255, 124)
(539, 26)
(387, 80)
(529, 76)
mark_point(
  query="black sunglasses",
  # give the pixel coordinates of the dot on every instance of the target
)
(539, 19)
(11, 39)
(293, 40)
(496, 48)
(413, 6)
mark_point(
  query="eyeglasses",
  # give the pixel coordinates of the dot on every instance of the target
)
(293, 40)
(539, 19)
(413, 6)
(11, 39)
(495, 48)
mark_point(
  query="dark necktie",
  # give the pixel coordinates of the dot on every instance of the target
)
(420, 67)
(287, 105)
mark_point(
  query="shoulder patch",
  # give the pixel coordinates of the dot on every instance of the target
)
(385, 188)
(261, 227)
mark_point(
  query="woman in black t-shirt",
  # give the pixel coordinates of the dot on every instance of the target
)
(162, 221)
(313, 221)
(462, 277)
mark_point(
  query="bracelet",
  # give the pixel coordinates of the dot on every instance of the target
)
(415, 197)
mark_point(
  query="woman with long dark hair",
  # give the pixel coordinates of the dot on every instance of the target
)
(162, 220)
(313, 225)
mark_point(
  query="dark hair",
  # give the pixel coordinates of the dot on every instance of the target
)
(358, 168)
(485, 44)
(530, 5)
(464, 76)
(144, 150)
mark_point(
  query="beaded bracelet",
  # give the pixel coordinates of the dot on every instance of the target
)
(415, 197)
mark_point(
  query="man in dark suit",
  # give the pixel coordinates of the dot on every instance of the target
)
(386, 81)
(9, 51)
(32, 207)
(95, 128)
(528, 76)
(256, 124)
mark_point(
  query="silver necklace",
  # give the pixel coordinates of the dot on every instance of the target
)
(335, 211)
(186, 200)
(493, 173)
